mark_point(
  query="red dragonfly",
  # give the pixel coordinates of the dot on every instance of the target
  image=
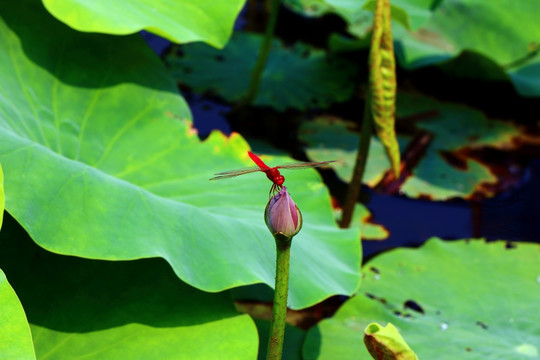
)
(272, 173)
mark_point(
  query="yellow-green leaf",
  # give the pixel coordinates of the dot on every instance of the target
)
(382, 82)
(386, 343)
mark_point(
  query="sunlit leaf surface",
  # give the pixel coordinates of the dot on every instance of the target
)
(101, 162)
(449, 300)
(15, 336)
(177, 20)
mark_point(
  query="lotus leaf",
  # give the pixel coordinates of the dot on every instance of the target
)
(177, 20)
(101, 162)
(80, 308)
(15, 336)
(464, 299)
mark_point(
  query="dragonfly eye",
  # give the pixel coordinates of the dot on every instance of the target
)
(279, 180)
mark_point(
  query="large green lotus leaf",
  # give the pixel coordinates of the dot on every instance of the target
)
(97, 165)
(80, 308)
(296, 77)
(15, 336)
(177, 20)
(473, 300)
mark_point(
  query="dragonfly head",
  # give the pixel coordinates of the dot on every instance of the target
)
(279, 180)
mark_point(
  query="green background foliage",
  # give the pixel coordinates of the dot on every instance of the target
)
(299, 76)
(430, 32)
(453, 127)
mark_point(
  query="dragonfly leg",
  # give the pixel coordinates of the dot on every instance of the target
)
(272, 191)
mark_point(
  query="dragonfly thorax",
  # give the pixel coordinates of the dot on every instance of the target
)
(274, 176)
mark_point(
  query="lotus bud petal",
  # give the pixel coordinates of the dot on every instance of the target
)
(282, 216)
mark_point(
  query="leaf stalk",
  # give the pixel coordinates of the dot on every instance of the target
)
(264, 52)
(353, 191)
(279, 309)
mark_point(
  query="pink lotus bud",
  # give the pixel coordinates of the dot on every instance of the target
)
(282, 216)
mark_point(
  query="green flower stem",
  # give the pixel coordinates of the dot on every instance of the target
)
(264, 52)
(279, 310)
(361, 158)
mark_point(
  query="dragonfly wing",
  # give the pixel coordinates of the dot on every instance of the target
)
(234, 173)
(303, 165)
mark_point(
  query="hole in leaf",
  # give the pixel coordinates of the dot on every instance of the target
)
(402, 314)
(510, 245)
(482, 325)
(374, 269)
(374, 297)
(413, 305)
